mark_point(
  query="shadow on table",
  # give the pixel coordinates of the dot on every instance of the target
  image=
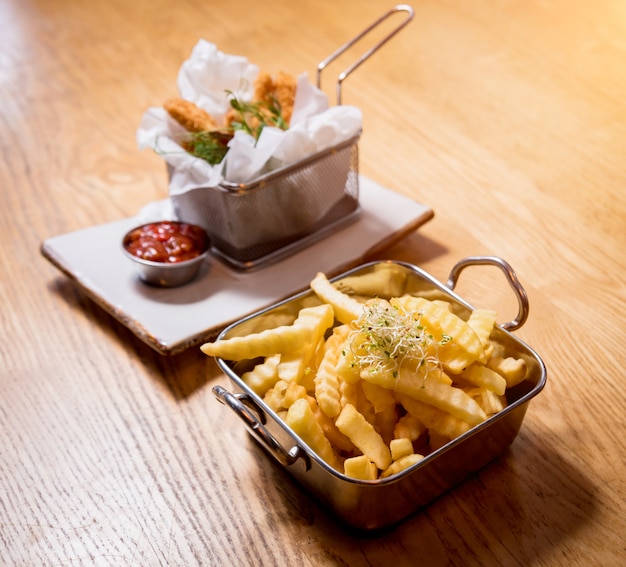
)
(183, 374)
(416, 249)
(520, 506)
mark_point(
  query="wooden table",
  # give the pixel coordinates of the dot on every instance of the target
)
(508, 118)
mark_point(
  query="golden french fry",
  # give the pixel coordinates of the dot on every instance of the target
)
(443, 396)
(293, 392)
(349, 392)
(263, 376)
(444, 304)
(347, 367)
(380, 397)
(409, 427)
(401, 464)
(483, 376)
(338, 440)
(363, 405)
(360, 468)
(385, 280)
(295, 366)
(352, 424)
(490, 401)
(326, 381)
(275, 395)
(385, 422)
(513, 370)
(434, 418)
(301, 419)
(400, 448)
(352, 394)
(346, 308)
(483, 321)
(284, 394)
(279, 340)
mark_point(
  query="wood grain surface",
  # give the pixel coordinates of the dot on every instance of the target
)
(507, 117)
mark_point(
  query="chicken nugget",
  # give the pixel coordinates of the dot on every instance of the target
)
(189, 115)
(285, 93)
(263, 88)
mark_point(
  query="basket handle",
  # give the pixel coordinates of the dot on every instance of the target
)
(342, 76)
(520, 292)
(243, 405)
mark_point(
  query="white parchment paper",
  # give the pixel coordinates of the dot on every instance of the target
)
(205, 79)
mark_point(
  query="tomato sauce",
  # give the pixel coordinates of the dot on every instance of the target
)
(167, 242)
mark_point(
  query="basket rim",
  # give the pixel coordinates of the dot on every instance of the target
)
(287, 169)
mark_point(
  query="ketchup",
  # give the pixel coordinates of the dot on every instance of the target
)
(167, 242)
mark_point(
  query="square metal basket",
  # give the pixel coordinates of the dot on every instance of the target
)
(374, 505)
(254, 223)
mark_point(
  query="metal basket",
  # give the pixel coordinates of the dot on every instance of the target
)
(379, 504)
(252, 224)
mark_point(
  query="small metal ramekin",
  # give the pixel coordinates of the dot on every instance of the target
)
(165, 274)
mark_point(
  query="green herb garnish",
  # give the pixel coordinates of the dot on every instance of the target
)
(210, 146)
(390, 338)
(251, 117)
(254, 116)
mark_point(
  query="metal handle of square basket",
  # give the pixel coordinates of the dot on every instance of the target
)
(511, 277)
(344, 74)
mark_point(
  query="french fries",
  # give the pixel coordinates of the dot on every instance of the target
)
(362, 433)
(346, 308)
(312, 321)
(373, 386)
(326, 380)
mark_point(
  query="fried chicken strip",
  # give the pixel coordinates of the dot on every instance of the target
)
(285, 93)
(263, 88)
(189, 115)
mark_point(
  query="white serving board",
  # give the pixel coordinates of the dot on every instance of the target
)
(172, 320)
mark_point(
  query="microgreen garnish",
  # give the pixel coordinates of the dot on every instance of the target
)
(210, 146)
(254, 116)
(391, 338)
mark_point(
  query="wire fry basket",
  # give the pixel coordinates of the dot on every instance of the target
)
(256, 223)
